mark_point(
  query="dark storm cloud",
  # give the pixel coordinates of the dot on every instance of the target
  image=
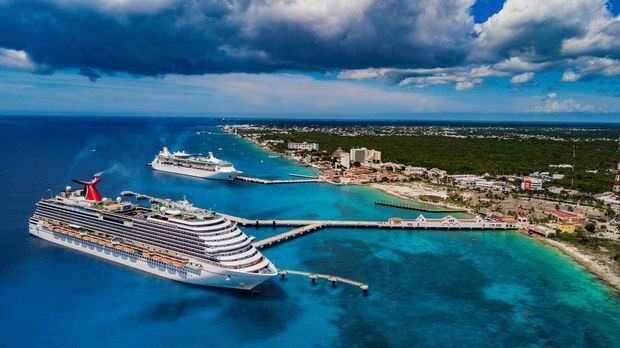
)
(202, 36)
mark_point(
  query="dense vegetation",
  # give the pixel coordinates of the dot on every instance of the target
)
(483, 155)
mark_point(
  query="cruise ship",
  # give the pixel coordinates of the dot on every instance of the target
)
(183, 163)
(171, 239)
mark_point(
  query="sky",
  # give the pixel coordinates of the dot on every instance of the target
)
(552, 59)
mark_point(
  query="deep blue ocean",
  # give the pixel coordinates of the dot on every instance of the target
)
(427, 288)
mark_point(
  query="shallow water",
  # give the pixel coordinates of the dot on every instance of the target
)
(427, 288)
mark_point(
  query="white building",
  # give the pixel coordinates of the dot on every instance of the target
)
(532, 184)
(365, 156)
(345, 160)
(409, 170)
(303, 146)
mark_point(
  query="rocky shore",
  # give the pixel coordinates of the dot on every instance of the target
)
(592, 263)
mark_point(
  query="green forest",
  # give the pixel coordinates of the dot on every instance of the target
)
(483, 155)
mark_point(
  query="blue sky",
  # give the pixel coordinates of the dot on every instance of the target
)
(304, 58)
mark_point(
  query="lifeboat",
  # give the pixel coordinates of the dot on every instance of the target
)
(166, 260)
(156, 257)
(177, 263)
(144, 253)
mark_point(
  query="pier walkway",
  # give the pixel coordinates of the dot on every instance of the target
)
(413, 207)
(287, 235)
(332, 278)
(268, 181)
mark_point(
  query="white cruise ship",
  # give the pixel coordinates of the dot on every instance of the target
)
(174, 240)
(203, 167)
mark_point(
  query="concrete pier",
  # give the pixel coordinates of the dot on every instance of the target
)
(413, 207)
(268, 181)
(332, 278)
(287, 235)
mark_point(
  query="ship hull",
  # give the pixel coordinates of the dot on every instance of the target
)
(199, 173)
(208, 276)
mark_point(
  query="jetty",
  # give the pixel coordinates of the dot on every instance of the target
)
(420, 208)
(287, 235)
(332, 278)
(269, 181)
(303, 176)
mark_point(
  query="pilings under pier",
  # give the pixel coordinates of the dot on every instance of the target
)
(332, 278)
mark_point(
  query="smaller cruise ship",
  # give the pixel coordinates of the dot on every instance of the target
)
(180, 162)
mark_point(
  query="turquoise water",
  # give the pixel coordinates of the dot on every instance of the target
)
(427, 288)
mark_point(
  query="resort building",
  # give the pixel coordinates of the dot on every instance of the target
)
(303, 146)
(345, 160)
(364, 156)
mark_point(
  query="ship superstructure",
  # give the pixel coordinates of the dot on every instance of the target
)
(180, 162)
(172, 239)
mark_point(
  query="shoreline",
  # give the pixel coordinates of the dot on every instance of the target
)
(458, 210)
(593, 266)
(590, 264)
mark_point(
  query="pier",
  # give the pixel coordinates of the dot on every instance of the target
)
(287, 235)
(332, 278)
(268, 181)
(413, 207)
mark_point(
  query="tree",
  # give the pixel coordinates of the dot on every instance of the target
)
(590, 227)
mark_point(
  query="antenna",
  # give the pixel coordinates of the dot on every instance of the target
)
(50, 191)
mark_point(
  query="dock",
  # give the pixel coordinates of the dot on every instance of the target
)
(303, 176)
(269, 181)
(287, 235)
(332, 278)
(413, 207)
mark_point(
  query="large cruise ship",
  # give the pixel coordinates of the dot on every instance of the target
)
(174, 240)
(180, 162)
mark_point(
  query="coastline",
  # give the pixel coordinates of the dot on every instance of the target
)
(595, 267)
(384, 189)
(602, 272)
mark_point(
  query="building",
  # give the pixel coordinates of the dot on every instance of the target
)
(345, 160)
(363, 155)
(303, 146)
(565, 227)
(531, 184)
(541, 230)
(338, 153)
(438, 172)
(409, 170)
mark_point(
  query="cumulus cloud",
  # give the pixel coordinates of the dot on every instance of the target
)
(552, 104)
(585, 66)
(14, 59)
(522, 78)
(210, 36)
(398, 42)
